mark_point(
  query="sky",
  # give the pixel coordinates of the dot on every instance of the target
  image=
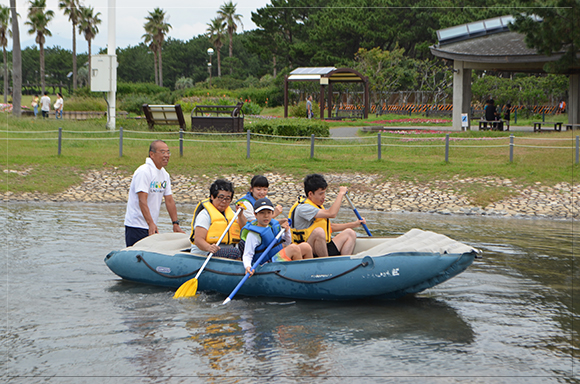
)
(187, 18)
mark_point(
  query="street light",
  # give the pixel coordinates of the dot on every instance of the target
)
(210, 53)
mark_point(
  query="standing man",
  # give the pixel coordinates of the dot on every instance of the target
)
(311, 221)
(309, 112)
(150, 184)
(45, 105)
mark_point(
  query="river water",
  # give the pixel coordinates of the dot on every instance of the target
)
(512, 317)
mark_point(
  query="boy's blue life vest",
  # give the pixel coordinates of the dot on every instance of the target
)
(248, 196)
(267, 235)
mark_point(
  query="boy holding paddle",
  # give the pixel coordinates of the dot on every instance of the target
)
(311, 221)
(259, 234)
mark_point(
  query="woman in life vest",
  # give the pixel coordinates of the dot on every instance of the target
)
(260, 233)
(258, 190)
(210, 220)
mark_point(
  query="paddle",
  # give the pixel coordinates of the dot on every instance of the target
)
(189, 288)
(358, 215)
(256, 264)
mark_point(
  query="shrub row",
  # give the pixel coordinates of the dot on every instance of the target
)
(289, 127)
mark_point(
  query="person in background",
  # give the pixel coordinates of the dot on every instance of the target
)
(58, 105)
(210, 220)
(35, 101)
(45, 105)
(562, 106)
(260, 233)
(507, 116)
(311, 221)
(258, 190)
(149, 186)
(309, 113)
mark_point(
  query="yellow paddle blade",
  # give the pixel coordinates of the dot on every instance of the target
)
(187, 289)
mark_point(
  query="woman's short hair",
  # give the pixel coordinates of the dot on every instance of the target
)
(221, 185)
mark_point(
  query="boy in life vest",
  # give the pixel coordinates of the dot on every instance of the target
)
(311, 221)
(260, 233)
(258, 190)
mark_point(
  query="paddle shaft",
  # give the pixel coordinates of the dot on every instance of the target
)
(218, 243)
(358, 215)
(256, 264)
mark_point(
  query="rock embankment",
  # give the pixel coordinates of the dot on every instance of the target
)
(367, 192)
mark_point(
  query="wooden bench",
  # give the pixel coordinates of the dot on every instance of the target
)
(494, 125)
(572, 126)
(538, 125)
(164, 115)
(219, 118)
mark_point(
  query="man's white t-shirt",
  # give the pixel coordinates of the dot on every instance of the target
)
(45, 103)
(153, 181)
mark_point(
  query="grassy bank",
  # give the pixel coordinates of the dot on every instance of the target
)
(33, 164)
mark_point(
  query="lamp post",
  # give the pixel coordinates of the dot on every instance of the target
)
(210, 53)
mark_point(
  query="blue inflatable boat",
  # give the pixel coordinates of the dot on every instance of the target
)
(382, 268)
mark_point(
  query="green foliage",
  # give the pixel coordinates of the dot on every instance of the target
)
(134, 103)
(520, 90)
(183, 83)
(270, 96)
(142, 88)
(388, 71)
(85, 104)
(559, 31)
(299, 110)
(250, 108)
(290, 127)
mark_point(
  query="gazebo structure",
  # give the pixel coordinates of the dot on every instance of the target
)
(490, 45)
(326, 76)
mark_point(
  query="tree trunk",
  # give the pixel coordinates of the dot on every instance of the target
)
(16, 64)
(90, 69)
(155, 67)
(160, 68)
(5, 75)
(74, 81)
(42, 78)
(274, 64)
(219, 64)
(231, 51)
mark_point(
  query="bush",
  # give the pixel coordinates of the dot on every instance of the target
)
(266, 97)
(299, 110)
(85, 104)
(289, 127)
(134, 103)
(251, 109)
(143, 88)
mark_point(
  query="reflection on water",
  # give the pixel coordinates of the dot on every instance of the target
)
(509, 317)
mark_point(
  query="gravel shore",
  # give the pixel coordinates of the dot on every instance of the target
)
(367, 192)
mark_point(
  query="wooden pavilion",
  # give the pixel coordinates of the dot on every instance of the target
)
(326, 76)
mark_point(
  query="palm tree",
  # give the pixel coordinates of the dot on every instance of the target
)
(16, 63)
(227, 13)
(4, 31)
(150, 41)
(216, 33)
(88, 27)
(157, 27)
(38, 19)
(72, 9)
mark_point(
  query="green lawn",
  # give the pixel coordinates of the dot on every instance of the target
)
(31, 146)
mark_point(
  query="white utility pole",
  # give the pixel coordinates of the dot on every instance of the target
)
(111, 48)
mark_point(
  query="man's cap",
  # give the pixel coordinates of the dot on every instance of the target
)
(263, 203)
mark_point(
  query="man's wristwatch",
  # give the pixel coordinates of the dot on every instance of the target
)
(176, 222)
